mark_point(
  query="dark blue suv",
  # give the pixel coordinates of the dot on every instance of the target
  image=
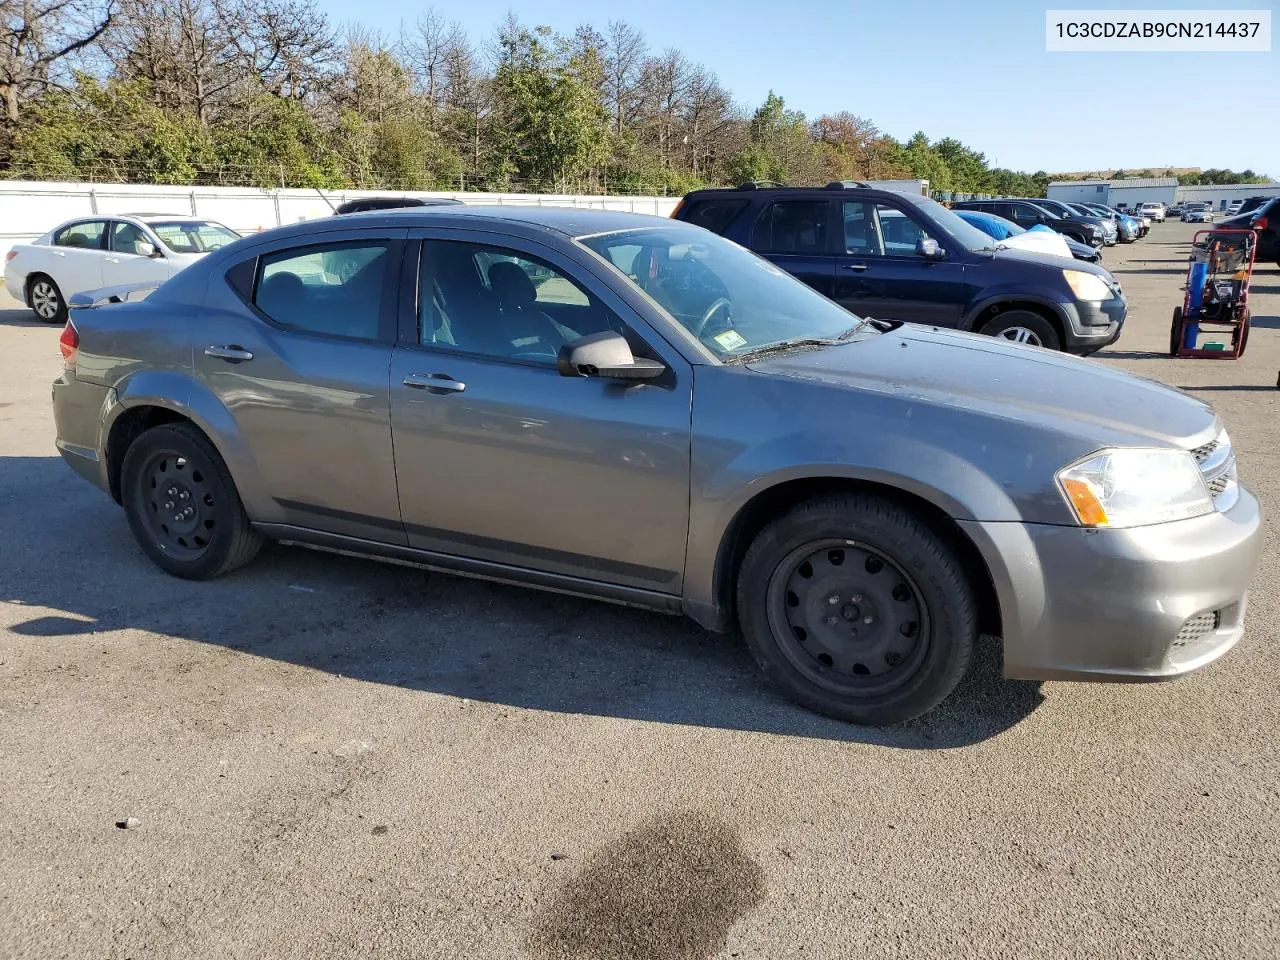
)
(896, 256)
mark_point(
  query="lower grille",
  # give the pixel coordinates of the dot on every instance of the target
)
(1197, 628)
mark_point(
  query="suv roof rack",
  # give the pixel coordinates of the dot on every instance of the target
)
(760, 185)
(847, 185)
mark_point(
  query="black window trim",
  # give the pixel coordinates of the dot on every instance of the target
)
(388, 307)
(102, 243)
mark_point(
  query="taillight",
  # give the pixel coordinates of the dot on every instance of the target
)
(1260, 223)
(10, 255)
(69, 344)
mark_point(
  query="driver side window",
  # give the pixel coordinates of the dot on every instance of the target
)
(502, 304)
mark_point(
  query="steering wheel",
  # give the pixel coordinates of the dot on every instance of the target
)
(717, 305)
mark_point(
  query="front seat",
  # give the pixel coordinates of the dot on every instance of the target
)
(519, 327)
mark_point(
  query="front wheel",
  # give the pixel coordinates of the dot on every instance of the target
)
(857, 609)
(182, 504)
(1175, 332)
(1023, 326)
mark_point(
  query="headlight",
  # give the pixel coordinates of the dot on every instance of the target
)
(1135, 487)
(1086, 286)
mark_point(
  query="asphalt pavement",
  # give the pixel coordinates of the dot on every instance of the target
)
(326, 757)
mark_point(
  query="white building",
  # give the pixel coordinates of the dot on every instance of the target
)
(1155, 189)
(1219, 195)
(1115, 192)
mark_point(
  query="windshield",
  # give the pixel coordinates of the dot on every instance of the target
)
(194, 236)
(733, 301)
(966, 234)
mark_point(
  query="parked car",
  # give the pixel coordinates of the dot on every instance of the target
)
(365, 204)
(1174, 211)
(1265, 222)
(1197, 213)
(1029, 213)
(1247, 209)
(1154, 210)
(1234, 207)
(904, 257)
(998, 228)
(672, 423)
(1140, 225)
(1125, 228)
(91, 252)
(1110, 235)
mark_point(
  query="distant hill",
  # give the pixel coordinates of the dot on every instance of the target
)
(1130, 172)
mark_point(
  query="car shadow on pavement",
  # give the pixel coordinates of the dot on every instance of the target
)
(21, 317)
(415, 629)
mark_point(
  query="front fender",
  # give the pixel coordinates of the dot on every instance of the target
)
(973, 317)
(723, 490)
(176, 391)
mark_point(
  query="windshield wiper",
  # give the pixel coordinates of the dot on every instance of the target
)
(785, 346)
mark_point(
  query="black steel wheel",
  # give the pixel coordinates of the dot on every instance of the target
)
(182, 505)
(857, 608)
(855, 616)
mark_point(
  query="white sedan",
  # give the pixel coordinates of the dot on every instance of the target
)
(92, 252)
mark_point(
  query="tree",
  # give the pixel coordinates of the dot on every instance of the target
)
(37, 37)
(182, 49)
(553, 123)
(428, 51)
(625, 51)
(286, 46)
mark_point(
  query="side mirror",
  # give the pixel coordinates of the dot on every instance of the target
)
(145, 248)
(606, 354)
(928, 248)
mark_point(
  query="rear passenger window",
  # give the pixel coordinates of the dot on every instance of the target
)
(792, 226)
(714, 215)
(85, 235)
(335, 290)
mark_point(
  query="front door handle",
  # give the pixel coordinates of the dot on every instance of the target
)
(434, 383)
(231, 353)
(855, 266)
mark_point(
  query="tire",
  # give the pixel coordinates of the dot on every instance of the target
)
(1175, 332)
(216, 536)
(900, 633)
(1023, 326)
(1240, 336)
(46, 300)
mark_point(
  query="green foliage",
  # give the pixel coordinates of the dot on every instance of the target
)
(555, 126)
(1215, 176)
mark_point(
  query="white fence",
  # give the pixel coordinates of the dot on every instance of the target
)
(29, 208)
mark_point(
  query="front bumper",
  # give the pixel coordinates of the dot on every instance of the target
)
(1149, 603)
(1091, 326)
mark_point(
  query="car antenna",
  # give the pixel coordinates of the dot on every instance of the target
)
(332, 208)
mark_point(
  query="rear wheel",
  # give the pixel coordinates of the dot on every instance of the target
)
(1023, 326)
(46, 300)
(182, 505)
(857, 609)
(1175, 332)
(1240, 336)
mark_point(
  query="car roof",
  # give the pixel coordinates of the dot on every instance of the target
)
(568, 221)
(835, 190)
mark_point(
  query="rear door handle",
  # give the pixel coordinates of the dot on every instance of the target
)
(434, 383)
(855, 266)
(231, 353)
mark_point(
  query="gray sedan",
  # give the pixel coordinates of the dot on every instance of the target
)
(637, 410)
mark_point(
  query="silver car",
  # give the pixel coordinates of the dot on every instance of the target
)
(634, 409)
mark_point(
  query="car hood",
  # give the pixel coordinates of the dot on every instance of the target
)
(1004, 380)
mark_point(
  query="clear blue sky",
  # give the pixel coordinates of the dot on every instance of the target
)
(976, 71)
